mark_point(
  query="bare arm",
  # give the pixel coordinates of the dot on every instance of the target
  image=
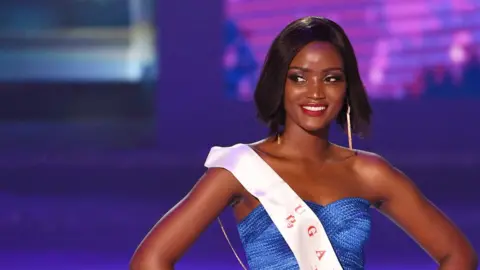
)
(426, 224)
(168, 240)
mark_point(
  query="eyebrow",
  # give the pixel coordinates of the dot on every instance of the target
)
(310, 70)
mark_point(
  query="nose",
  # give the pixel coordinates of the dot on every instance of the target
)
(316, 90)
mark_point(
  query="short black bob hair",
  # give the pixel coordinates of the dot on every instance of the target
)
(270, 88)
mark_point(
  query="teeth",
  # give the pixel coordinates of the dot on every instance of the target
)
(314, 109)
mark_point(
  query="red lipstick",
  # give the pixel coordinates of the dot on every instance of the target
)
(313, 110)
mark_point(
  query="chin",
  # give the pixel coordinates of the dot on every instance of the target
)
(314, 123)
(314, 127)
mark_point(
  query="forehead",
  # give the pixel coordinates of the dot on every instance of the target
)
(318, 56)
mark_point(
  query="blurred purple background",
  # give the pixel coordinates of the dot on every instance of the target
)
(102, 135)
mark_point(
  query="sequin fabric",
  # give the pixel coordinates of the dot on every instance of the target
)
(347, 222)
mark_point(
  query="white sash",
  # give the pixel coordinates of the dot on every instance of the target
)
(298, 224)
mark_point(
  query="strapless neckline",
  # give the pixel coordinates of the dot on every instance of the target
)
(312, 204)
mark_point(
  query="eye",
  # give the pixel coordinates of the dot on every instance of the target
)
(297, 78)
(333, 78)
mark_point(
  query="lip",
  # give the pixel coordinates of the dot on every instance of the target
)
(313, 113)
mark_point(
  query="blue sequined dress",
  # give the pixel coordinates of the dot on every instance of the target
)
(347, 222)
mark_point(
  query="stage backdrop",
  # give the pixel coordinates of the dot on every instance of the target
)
(77, 73)
(405, 50)
(77, 40)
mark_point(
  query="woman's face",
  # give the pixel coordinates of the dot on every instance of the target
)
(315, 87)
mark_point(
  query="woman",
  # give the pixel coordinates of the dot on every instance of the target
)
(295, 185)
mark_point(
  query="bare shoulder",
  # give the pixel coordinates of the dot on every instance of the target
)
(371, 164)
(224, 163)
(378, 174)
(363, 162)
(220, 179)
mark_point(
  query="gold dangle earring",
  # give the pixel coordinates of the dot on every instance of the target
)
(349, 128)
(279, 139)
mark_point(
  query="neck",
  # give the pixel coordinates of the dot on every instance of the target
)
(306, 144)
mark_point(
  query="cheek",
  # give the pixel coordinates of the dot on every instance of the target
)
(291, 95)
(336, 97)
(336, 94)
